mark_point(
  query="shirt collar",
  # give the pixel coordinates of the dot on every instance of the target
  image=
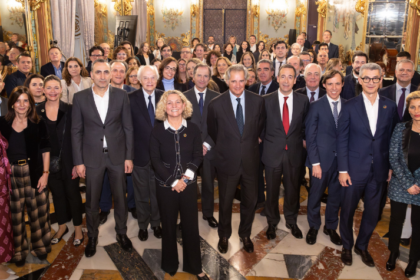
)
(167, 125)
(106, 92)
(59, 67)
(267, 85)
(354, 76)
(400, 87)
(197, 91)
(367, 100)
(233, 97)
(316, 91)
(282, 95)
(331, 100)
(147, 95)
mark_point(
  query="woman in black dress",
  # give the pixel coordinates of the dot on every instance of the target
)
(245, 47)
(222, 64)
(176, 152)
(64, 183)
(35, 84)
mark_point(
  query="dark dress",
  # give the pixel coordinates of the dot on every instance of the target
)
(172, 153)
(220, 83)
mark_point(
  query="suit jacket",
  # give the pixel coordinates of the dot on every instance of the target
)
(349, 70)
(307, 45)
(255, 88)
(142, 125)
(128, 88)
(357, 148)
(231, 149)
(220, 83)
(275, 138)
(4, 108)
(13, 80)
(300, 83)
(390, 92)
(143, 61)
(321, 134)
(177, 86)
(349, 89)
(201, 120)
(414, 81)
(322, 92)
(69, 91)
(48, 69)
(333, 51)
(88, 130)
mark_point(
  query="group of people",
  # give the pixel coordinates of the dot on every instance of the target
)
(141, 127)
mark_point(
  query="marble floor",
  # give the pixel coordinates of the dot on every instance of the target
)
(282, 258)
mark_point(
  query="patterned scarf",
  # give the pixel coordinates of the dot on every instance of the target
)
(5, 166)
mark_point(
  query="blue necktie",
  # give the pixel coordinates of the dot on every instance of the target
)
(151, 111)
(335, 113)
(201, 103)
(240, 116)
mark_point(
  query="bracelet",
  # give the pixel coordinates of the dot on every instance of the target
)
(47, 172)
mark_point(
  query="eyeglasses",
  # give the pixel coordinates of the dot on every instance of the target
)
(170, 68)
(375, 80)
(132, 76)
(306, 60)
(185, 52)
(96, 55)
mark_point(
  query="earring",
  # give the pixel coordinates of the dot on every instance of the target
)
(12, 106)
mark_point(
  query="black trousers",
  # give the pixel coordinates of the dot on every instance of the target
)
(95, 178)
(66, 194)
(398, 211)
(249, 195)
(208, 173)
(144, 185)
(291, 177)
(170, 203)
(261, 181)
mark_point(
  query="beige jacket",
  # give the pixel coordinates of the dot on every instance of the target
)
(69, 91)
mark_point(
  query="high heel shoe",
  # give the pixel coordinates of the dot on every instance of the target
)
(78, 242)
(390, 264)
(410, 270)
(56, 240)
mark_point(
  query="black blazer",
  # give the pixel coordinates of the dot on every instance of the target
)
(177, 86)
(48, 69)
(220, 83)
(143, 61)
(4, 108)
(255, 88)
(163, 153)
(391, 93)
(201, 120)
(349, 70)
(307, 44)
(142, 126)
(303, 91)
(350, 89)
(275, 138)
(37, 142)
(63, 119)
(300, 82)
(231, 149)
(333, 51)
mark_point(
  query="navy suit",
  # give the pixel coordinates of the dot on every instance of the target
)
(48, 69)
(349, 70)
(307, 45)
(303, 91)
(366, 159)
(391, 93)
(255, 88)
(321, 144)
(350, 89)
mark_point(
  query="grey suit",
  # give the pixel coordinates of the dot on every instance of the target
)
(4, 109)
(88, 132)
(208, 171)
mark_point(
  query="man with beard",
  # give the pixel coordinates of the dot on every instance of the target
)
(351, 85)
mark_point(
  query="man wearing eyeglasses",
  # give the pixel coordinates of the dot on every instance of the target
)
(363, 136)
(95, 52)
(306, 59)
(186, 53)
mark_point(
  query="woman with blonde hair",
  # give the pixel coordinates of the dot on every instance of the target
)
(176, 152)
(334, 63)
(75, 79)
(159, 43)
(265, 54)
(131, 77)
(222, 64)
(191, 63)
(248, 60)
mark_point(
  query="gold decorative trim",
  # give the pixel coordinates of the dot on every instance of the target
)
(360, 6)
(127, 7)
(150, 20)
(322, 8)
(300, 16)
(363, 43)
(415, 4)
(34, 4)
(268, 41)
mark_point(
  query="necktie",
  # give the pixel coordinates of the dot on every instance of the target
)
(312, 97)
(401, 104)
(263, 91)
(286, 117)
(201, 103)
(151, 111)
(335, 113)
(239, 116)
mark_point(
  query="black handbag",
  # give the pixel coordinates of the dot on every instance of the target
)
(55, 161)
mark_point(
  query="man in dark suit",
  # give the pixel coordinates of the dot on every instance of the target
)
(349, 69)
(283, 147)
(364, 132)
(266, 85)
(301, 41)
(321, 135)
(235, 121)
(351, 86)
(24, 66)
(297, 63)
(307, 44)
(200, 97)
(333, 51)
(312, 76)
(118, 71)
(95, 52)
(406, 55)
(280, 51)
(143, 105)
(55, 66)
(102, 140)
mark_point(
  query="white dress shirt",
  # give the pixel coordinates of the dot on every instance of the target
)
(146, 98)
(78, 87)
(308, 93)
(289, 105)
(399, 92)
(102, 104)
(372, 112)
(189, 173)
(198, 100)
(253, 48)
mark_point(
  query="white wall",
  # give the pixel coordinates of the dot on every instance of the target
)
(184, 23)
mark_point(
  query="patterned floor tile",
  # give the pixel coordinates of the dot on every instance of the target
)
(90, 274)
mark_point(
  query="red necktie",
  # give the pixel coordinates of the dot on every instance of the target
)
(286, 117)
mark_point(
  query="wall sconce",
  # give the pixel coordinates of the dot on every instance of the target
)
(194, 8)
(255, 8)
(123, 7)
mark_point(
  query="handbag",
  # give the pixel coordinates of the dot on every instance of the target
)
(55, 161)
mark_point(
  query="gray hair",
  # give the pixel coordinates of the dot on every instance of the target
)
(295, 44)
(406, 61)
(119, 61)
(300, 60)
(144, 67)
(370, 66)
(305, 73)
(266, 61)
(100, 60)
(201, 65)
(236, 68)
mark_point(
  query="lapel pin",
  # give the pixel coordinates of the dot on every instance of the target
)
(42, 110)
(185, 135)
(384, 106)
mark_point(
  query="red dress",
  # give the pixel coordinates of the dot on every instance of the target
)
(6, 232)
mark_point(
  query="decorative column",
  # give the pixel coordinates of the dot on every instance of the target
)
(151, 23)
(362, 6)
(196, 16)
(44, 31)
(254, 18)
(300, 16)
(322, 17)
(412, 37)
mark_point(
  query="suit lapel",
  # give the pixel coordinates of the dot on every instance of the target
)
(381, 113)
(394, 93)
(111, 102)
(93, 105)
(276, 109)
(295, 113)
(196, 107)
(142, 105)
(227, 106)
(327, 108)
(249, 107)
(361, 110)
